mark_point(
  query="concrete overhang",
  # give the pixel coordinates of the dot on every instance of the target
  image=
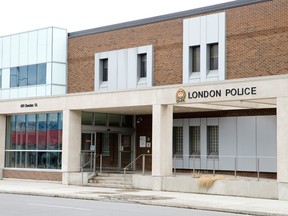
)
(253, 93)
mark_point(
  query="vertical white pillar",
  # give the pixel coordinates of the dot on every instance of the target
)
(2, 143)
(162, 140)
(71, 146)
(282, 147)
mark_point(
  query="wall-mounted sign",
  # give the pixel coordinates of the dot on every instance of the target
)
(29, 105)
(142, 141)
(229, 92)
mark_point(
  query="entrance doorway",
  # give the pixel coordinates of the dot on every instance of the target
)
(115, 148)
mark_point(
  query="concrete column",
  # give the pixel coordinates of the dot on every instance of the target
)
(71, 146)
(282, 147)
(2, 143)
(162, 142)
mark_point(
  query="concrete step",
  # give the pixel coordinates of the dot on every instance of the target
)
(111, 180)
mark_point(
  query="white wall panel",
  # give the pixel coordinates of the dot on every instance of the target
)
(49, 44)
(59, 74)
(122, 69)
(266, 143)
(59, 45)
(6, 51)
(31, 91)
(96, 72)
(246, 140)
(203, 142)
(32, 47)
(41, 90)
(14, 93)
(5, 94)
(23, 92)
(15, 50)
(112, 71)
(186, 40)
(1, 51)
(48, 90)
(23, 55)
(227, 143)
(222, 46)
(194, 31)
(42, 46)
(5, 78)
(212, 28)
(48, 73)
(58, 90)
(132, 68)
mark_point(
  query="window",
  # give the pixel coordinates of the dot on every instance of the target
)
(178, 140)
(104, 69)
(28, 75)
(142, 58)
(34, 141)
(105, 144)
(195, 64)
(194, 139)
(212, 140)
(213, 56)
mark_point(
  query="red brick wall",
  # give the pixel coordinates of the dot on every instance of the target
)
(35, 175)
(257, 40)
(257, 45)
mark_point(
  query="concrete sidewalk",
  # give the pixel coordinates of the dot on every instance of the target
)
(231, 204)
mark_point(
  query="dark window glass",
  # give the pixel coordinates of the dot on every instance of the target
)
(104, 70)
(143, 65)
(42, 131)
(14, 74)
(31, 131)
(20, 132)
(213, 56)
(87, 118)
(23, 77)
(114, 120)
(195, 58)
(127, 121)
(41, 74)
(32, 74)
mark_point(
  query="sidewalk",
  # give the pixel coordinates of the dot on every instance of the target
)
(172, 199)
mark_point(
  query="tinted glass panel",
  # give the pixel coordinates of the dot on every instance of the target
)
(41, 129)
(87, 118)
(23, 78)
(31, 131)
(32, 74)
(41, 74)
(14, 77)
(114, 120)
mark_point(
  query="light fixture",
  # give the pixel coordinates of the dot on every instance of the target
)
(139, 120)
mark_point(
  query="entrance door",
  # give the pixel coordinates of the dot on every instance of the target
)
(88, 148)
(125, 150)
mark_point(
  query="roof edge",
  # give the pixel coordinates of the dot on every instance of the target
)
(176, 15)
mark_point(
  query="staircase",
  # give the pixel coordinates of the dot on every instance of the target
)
(111, 180)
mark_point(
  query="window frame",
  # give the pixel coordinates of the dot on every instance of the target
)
(195, 140)
(142, 65)
(213, 63)
(212, 142)
(104, 67)
(195, 58)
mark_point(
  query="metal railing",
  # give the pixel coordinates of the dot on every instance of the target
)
(225, 163)
(91, 161)
(143, 156)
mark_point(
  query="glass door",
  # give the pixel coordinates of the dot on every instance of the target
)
(88, 149)
(125, 150)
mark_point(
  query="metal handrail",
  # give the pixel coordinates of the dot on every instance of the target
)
(94, 164)
(134, 161)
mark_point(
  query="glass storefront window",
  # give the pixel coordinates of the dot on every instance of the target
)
(100, 119)
(87, 118)
(34, 141)
(127, 121)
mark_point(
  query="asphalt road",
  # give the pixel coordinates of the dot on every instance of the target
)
(22, 205)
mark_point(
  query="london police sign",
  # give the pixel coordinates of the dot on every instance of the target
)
(214, 93)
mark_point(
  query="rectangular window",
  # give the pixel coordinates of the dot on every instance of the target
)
(104, 69)
(195, 64)
(34, 141)
(41, 74)
(178, 140)
(32, 74)
(213, 56)
(28, 75)
(23, 76)
(194, 140)
(105, 144)
(14, 81)
(213, 140)
(142, 58)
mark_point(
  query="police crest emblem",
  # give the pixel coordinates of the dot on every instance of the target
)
(180, 95)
